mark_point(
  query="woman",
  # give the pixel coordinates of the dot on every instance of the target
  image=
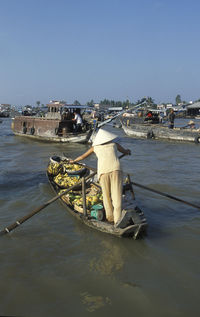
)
(109, 172)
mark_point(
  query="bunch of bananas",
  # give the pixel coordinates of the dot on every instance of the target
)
(54, 168)
(72, 167)
(90, 200)
(65, 181)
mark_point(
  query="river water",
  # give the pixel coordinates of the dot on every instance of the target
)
(52, 265)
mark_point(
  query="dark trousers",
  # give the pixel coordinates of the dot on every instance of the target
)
(78, 128)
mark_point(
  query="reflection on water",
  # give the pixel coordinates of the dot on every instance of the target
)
(109, 261)
(52, 265)
(93, 303)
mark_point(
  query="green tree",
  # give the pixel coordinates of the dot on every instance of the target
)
(139, 101)
(76, 103)
(90, 103)
(150, 101)
(38, 103)
(178, 99)
(105, 102)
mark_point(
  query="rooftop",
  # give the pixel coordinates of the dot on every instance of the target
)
(194, 105)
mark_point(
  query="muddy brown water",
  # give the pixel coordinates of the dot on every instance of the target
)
(53, 265)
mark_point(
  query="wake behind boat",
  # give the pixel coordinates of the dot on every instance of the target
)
(86, 202)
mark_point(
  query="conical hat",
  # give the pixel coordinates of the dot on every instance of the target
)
(191, 122)
(103, 136)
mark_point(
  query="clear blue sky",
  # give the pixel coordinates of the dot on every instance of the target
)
(96, 49)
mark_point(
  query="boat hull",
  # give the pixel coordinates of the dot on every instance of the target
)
(51, 130)
(70, 138)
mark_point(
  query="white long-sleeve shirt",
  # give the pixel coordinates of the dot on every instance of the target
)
(108, 160)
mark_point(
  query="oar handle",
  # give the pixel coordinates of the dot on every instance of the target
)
(131, 187)
(122, 155)
(35, 211)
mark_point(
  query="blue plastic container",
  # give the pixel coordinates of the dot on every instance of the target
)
(97, 212)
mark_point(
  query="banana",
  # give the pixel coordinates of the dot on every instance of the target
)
(72, 167)
(62, 179)
(66, 181)
(54, 168)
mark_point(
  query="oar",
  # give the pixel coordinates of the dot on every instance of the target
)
(35, 211)
(166, 195)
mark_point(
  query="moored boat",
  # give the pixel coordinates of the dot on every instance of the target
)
(54, 127)
(137, 131)
(86, 204)
(161, 132)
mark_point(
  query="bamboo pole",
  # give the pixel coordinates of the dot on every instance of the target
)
(166, 195)
(131, 187)
(84, 197)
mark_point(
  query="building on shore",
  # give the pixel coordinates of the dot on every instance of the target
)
(193, 109)
(5, 110)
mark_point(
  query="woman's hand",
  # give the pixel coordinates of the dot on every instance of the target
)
(128, 152)
(83, 156)
(123, 150)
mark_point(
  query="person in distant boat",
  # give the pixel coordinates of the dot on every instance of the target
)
(171, 118)
(149, 116)
(191, 125)
(78, 122)
(94, 114)
(109, 172)
(95, 118)
(160, 117)
(66, 115)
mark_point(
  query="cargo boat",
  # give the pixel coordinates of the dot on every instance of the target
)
(54, 126)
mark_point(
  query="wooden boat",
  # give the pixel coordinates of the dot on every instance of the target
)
(137, 131)
(161, 132)
(91, 212)
(54, 127)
